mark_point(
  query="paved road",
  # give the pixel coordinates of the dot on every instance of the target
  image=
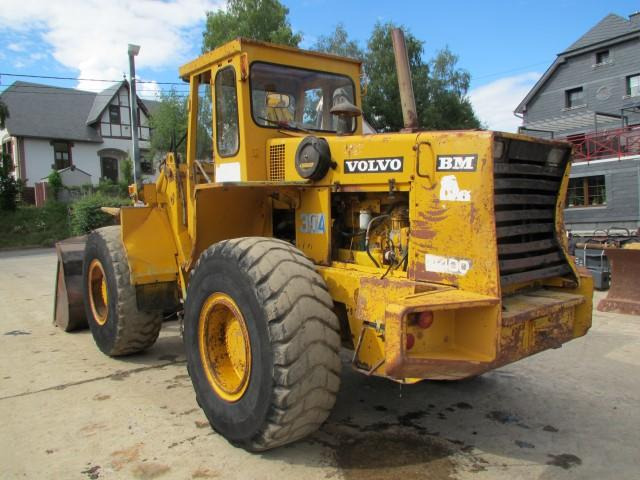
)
(67, 411)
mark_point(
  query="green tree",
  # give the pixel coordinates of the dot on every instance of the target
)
(448, 106)
(439, 86)
(264, 20)
(381, 104)
(338, 43)
(169, 120)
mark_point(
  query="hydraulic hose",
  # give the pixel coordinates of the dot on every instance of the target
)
(366, 238)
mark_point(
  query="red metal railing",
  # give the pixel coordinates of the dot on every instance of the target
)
(617, 143)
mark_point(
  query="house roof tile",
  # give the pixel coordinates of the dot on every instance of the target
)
(609, 27)
(44, 111)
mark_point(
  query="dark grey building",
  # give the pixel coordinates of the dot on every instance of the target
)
(590, 96)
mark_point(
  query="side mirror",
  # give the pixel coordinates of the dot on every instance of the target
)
(345, 111)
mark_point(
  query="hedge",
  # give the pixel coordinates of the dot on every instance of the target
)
(86, 214)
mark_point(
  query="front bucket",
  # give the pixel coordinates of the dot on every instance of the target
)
(624, 294)
(68, 307)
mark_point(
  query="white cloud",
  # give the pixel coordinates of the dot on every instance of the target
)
(149, 90)
(15, 47)
(495, 102)
(92, 36)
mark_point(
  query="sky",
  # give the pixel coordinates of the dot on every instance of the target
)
(505, 45)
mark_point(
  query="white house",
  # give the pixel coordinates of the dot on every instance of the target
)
(54, 128)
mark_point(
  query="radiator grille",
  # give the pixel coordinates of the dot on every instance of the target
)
(526, 191)
(276, 163)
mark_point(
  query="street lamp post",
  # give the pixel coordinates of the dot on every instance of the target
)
(133, 109)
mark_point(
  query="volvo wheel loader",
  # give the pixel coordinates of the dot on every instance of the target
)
(285, 233)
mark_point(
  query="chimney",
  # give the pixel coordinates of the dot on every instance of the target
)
(635, 18)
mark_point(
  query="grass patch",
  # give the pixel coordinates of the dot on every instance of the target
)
(29, 226)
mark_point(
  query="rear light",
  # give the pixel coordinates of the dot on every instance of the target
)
(411, 340)
(425, 319)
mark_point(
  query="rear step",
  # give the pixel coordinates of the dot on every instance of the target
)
(535, 304)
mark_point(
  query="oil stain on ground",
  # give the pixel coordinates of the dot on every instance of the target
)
(506, 418)
(564, 460)
(402, 449)
(378, 456)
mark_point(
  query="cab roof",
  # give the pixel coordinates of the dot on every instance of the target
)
(239, 45)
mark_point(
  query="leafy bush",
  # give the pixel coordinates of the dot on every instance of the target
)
(9, 191)
(55, 182)
(86, 214)
(111, 189)
(10, 188)
(127, 171)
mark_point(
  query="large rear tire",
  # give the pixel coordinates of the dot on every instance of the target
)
(117, 326)
(261, 342)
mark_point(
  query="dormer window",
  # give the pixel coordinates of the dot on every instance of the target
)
(114, 114)
(602, 57)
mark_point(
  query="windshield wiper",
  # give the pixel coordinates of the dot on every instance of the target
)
(285, 125)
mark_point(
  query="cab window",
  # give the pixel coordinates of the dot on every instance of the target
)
(299, 98)
(226, 97)
(204, 132)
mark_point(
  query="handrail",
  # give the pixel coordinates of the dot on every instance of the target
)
(616, 143)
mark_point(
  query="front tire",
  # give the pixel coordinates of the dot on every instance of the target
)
(261, 342)
(117, 326)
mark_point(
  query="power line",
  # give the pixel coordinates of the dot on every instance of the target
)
(13, 86)
(49, 77)
(78, 92)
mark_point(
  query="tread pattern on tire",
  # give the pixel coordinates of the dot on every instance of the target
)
(136, 330)
(304, 335)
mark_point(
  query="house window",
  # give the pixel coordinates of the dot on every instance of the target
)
(633, 85)
(574, 98)
(109, 168)
(114, 114)
(602, 57)
(61, 155)
(587, 192)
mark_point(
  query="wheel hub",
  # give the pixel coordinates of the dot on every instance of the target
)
(225, 349)
(98, 293)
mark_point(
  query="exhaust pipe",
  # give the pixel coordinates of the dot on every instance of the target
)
(407, 99)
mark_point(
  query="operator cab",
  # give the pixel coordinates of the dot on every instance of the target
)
(260, 91)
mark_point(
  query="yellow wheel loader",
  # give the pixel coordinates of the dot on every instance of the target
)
(285, 233)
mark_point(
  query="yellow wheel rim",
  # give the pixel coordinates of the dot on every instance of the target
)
(225, 350)
(98, 294)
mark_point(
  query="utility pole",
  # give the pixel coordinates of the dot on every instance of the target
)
(133, 108)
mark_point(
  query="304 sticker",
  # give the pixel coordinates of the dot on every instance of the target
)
(450, 265)
(312, 223)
